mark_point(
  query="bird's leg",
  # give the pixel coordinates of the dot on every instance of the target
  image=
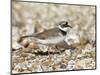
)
(58, 50)
(61, 47)
(49, 52)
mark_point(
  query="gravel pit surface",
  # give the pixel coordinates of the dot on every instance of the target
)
(29, 18)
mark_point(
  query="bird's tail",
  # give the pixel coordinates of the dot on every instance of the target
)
(23, 37)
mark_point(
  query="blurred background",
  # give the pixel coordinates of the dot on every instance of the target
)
(28, 17)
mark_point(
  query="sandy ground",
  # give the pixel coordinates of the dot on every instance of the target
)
(29, 18)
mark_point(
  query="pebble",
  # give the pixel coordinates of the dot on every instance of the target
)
(32, 45)
(68, 52)
(71, 65)
(25, 43)
(63, 66)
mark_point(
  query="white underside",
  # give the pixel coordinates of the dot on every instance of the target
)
(54, 40)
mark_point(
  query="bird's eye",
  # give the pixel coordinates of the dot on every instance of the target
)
(63, 25)
(66, 23)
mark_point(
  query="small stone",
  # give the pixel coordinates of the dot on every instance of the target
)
(32, 45)
(88, 47)
(25, 43)
(24, 54)
(56, 67)
(50, 69)
(71, 62)
(63, 65)
(77, 66)
(79, 56)
(43, 48)
(39, 69)
(71, 65)
(21, 59)
(26, 50)
(68, 52)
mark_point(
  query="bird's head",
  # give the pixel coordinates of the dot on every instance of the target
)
(64, 26)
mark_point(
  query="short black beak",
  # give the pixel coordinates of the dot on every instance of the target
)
(69, 26)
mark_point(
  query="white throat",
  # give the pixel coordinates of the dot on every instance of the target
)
(64, 29)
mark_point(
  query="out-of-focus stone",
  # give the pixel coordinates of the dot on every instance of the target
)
(32, 45)
(71, 65)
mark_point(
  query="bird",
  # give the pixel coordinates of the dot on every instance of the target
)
(52, 37)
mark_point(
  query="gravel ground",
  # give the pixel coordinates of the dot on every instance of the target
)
(29, 18)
